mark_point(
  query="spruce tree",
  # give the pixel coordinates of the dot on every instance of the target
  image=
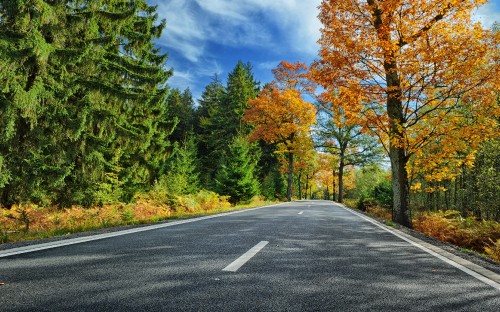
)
(207, 129)
(236, 174)
(182, 176)
(220, 113)
(241, 86)
(181, 109)
(83, 101)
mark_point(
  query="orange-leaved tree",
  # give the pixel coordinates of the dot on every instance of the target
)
(304, 161)
(281, 116)
(325, 177)
(414, 63)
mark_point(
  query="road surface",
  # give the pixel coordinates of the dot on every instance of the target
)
(299, 256)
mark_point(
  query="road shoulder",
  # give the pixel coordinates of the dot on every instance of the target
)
(472, 261)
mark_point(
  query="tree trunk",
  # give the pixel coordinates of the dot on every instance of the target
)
(397, 147)
(341, 180)
(395, 112)
(400, 209)
(333, 185)
(307, 186)
(299, 185)
(290, 177)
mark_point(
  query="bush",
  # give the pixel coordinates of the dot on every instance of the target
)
(203, 201)
(493, 250)
(382, 193)
(380, 212)
(364, 203)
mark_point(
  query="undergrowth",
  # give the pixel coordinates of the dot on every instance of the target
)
(25, 222)
(449, 226)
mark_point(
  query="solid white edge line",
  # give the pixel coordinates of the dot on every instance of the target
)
(238, 263)
(78, 240)
(450, 262)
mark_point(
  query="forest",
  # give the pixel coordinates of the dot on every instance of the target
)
(395, 116)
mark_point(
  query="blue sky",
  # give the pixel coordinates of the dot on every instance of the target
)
(207, 37)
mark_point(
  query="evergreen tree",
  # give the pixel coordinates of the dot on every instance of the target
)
(210, 102)
(241, 86)
(181, 109)
(236, 174)
(220, 113)
(182, 175)
(83, 104)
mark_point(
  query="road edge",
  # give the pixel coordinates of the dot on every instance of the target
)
(492, 278)
(42, 244)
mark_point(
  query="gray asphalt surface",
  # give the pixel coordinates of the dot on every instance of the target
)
(325, 259)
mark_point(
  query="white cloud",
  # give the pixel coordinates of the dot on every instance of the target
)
(192, 24)
(184, 32)
(268, 65)
(297, 20)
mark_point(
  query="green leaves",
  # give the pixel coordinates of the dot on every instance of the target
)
(236, 174)
(83, 93)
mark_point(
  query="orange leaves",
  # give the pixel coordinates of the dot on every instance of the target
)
(420, 73)
(449, 226)
(279, 115)
(293, 76)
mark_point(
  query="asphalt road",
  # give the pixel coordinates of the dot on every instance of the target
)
(304, 256)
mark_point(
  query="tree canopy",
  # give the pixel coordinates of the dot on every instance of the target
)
(416, 65)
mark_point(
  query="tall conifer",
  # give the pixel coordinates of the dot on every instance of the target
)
(82, 98)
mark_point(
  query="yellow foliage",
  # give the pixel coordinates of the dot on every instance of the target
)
(449, 226)
(30, 221)
(493, 250)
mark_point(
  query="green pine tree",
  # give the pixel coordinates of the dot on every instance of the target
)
(220, 113)
(236, 174)
(182, 175)
(181, 109)
(83, 100)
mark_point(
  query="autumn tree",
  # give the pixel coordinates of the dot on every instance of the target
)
(326, 174)
(414, 64)
(340, 134)
(306, 167)
(282, 117)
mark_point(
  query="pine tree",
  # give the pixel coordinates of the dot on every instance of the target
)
(241, 86)
(181, 109)
(206, 126)
(83, 100)
(222, 110)
(182, 175)
(236, 174)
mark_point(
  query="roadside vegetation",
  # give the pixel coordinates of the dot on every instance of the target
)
(371, 194)
(28, 222)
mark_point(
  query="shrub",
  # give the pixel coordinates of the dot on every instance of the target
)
(382, 193)
(364, 203)
(379, 212)
(203, 201)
